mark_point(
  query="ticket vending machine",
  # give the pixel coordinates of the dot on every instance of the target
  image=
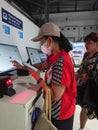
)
(16, 110)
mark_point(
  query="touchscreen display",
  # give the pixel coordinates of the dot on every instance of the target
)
(7, 54)
(36, 55)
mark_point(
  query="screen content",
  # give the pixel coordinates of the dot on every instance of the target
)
(7, 54)
(36, 55)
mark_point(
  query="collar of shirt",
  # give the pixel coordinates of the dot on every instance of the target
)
(54, 58)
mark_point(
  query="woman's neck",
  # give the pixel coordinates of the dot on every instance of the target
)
(55, 52)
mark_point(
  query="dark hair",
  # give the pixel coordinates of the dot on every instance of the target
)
(92, 36)
(62, 41)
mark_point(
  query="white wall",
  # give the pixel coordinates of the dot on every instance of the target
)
(29, 31)
(76, 25)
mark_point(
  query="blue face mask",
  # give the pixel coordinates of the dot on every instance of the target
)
(45, 49)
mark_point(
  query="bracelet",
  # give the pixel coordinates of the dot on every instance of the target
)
(39, 80)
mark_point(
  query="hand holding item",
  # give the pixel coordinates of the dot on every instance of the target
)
(39, 80)
(36, 74)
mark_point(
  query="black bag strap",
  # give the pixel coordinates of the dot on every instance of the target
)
(37, 97)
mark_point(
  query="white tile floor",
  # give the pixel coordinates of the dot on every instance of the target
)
(91, 124)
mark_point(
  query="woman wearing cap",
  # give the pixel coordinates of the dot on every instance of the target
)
(84, 73)
(60, 76)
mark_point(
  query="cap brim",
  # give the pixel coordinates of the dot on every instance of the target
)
(36, 39)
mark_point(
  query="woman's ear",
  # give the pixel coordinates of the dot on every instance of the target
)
(49, 41)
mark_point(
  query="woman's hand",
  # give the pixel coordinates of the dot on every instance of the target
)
(17, 64)
(36, 75)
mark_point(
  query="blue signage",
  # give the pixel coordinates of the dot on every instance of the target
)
(11, 19)
(6, 29)
(20, 35)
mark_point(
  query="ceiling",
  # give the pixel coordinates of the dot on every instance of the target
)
(36, 9)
